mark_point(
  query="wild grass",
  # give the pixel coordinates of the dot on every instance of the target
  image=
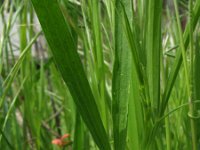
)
(91, 74)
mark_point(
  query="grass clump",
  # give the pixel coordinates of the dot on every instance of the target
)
(90, 74)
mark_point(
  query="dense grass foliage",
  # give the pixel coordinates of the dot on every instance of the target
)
(99, 74)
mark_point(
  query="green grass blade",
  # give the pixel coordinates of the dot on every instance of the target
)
(186, 73)
(153, 49)
(178, 60)
(8, 81)
(11, 108)
(121, 77)
(63, 48)
(78, 134)
(131, 36)
(135, 122)
(6, 139)
(98, 48)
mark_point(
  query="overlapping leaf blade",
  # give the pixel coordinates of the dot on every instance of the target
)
(121, 77)
(63, 48)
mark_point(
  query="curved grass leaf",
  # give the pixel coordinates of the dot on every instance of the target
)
(13, 73)
(63, 48)
(178, 60)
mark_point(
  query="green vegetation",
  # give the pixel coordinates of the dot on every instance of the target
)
(99, 74)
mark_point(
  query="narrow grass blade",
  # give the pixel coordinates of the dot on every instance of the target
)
(153, 50)
(6, 139)
(186, 73)
(132, 41)
(63, 48)
(99, 58)
(11, 108)
(8, 81)
(178, 60)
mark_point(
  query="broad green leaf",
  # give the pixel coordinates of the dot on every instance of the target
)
(135, 120)
(121, 76)
(63, 48)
